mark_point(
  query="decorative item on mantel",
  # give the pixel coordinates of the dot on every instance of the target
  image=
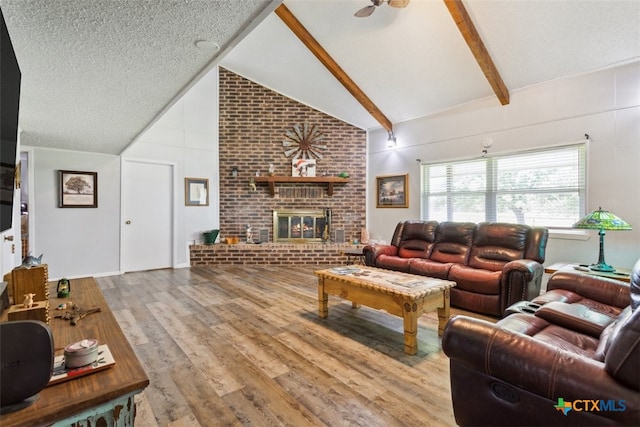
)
(210, 236)
(602, 220)
(303, 167)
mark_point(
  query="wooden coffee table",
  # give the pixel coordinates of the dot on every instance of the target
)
(401, 294)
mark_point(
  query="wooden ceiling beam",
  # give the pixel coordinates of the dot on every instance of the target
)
(312, 44)
(467, 28)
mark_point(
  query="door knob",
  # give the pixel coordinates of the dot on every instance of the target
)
(128, 222)
(9, 238)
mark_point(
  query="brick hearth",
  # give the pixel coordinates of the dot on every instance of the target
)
(269, 253)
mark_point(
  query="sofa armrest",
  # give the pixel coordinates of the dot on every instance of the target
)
(601, 289)
(521, 280)
(528, 364)
(371, 253)
(575, 316)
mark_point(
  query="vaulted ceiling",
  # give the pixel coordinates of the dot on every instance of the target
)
(96, 73)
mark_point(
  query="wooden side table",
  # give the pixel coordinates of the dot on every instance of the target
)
(354, 256)
(621, 274)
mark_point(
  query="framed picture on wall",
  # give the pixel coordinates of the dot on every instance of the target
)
(303, 167)
(196, 192)
(392, 191)
(77, 189)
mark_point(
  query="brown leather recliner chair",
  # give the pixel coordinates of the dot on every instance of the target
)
(552, 367)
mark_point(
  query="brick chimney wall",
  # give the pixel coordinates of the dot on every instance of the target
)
(253, 122)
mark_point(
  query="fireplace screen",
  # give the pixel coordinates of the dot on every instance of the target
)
(299, 226)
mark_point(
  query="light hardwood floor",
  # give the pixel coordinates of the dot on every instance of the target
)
(243, 345)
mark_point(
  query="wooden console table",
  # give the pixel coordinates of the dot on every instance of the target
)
(102, 398)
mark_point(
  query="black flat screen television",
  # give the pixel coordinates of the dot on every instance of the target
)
(10, 78)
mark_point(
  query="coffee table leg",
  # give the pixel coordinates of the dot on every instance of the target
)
(323, 300)
(443, 312)
(410, 315)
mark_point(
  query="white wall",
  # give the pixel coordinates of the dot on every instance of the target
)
(605, 105)
(86, 242)
(187, 134)
(75, 242)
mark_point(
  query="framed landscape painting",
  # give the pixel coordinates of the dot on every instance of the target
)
(78, 189)
(391, 191)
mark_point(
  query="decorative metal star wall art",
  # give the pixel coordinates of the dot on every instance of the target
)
(303, 142)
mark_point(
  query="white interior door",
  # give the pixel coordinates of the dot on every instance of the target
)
(147, 215)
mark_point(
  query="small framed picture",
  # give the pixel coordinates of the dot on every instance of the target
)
(196, 192)
(391, 191)
(303, 167)
(78, 189)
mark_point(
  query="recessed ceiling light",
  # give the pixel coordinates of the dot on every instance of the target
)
(207, 46)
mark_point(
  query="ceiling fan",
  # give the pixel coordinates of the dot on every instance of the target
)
(368, 10)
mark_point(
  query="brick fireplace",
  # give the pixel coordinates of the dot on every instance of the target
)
(300, 226)
(253, 124)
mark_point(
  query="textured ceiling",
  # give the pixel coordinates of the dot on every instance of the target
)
(98, 72)
(95, 73)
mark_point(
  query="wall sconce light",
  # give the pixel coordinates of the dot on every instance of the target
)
(391, 140)
(234, 172)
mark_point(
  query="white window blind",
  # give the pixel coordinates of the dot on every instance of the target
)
(541, 188)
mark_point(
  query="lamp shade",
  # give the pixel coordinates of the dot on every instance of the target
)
(602, 220)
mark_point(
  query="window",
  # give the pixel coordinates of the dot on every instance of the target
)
(541, 188)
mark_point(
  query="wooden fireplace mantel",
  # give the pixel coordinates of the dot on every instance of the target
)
(330, 181)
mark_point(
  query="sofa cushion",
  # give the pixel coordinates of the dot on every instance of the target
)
(473, 301)
(554, 335)
(417, 239)
(569, 297)
(391, 262)
(426, 267)
(605, 336)
(420, 230)
(476, 280)
(452, 242)
(495, 244)
(588, 290)
(414, 249)
(623, 352)
(576, 317)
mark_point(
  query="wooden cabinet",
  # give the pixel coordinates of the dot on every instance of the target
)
(32, 280)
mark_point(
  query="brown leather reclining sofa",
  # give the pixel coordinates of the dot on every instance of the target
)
(494, 265)
(571, 357)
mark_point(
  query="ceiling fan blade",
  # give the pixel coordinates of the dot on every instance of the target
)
(398, 3)
(365, 11)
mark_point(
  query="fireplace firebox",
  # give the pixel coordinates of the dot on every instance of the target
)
(301, 226)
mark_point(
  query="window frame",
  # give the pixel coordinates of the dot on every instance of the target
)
(491, 191)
